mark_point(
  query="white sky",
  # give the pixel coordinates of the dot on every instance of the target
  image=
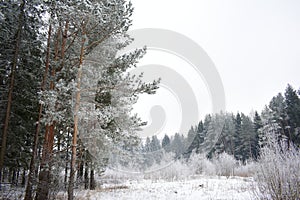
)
(254, 44)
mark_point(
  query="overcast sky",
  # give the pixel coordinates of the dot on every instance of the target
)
(254, 44)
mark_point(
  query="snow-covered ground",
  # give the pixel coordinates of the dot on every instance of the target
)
(213, 188)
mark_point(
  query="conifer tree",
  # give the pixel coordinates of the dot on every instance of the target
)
(248, 137)
(165, 143)
(292, 102)
(237, 137)
(21, 48)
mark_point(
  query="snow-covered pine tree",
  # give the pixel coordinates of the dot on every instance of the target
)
(166, 143)
(197, 140)
(213, 134)
(249, 138)
(116, 90)
(76, 28)
(292, 103)
(257, 123)
(21, 48)
(190, 136)
(108, 94)
(278, 106)
(270, 128)
(10, 63)
(228, 133)
(177, 145)
(237, 137)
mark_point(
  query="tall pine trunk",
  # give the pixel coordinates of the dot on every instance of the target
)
(46, 163)
(67, 162)
(11, 86)
(28, 193)
(86, 175)
(76, 110)
(92, 179)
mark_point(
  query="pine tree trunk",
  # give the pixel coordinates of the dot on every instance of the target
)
(81, 167)
(28, 193)
(23, 178)
(76, 110)
(80, 164)
(67, 162)
(86, 176)
(14, 177)
(10, 175)
(44, 177)
(11, 86)
(92, 181)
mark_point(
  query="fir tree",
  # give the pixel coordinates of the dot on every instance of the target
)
(177, 145)
(165, 143)
(248, 136)
(292, 102)
(237, 137)
(21, 48)
(257, 123)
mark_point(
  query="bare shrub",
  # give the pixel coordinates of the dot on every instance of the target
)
(278, 174)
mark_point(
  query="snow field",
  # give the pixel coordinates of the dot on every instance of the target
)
(207, 188)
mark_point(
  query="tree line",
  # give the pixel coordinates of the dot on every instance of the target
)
(237, 134)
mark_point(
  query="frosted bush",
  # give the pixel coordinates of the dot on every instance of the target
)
(120, 174)
(278, 173)
(246, 170)
(176, 170)
(199, 164)
(168, 169)
(225, 164)
(209, 168)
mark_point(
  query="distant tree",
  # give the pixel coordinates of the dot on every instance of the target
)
(200, 127)
(229, 134)
(206, 123)
(238, 137)
(278, 107)
(154, 144)
(147, 153)
(292, 106)
(213, 135)
(292, 102)
(147, 147)
(166, 143)
(190, 136)
(257, 123)
(177, 145)
(155, 148)
(249, 138)
(197, 140)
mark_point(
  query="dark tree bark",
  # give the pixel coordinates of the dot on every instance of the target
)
(86, 176)
(92, 181)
